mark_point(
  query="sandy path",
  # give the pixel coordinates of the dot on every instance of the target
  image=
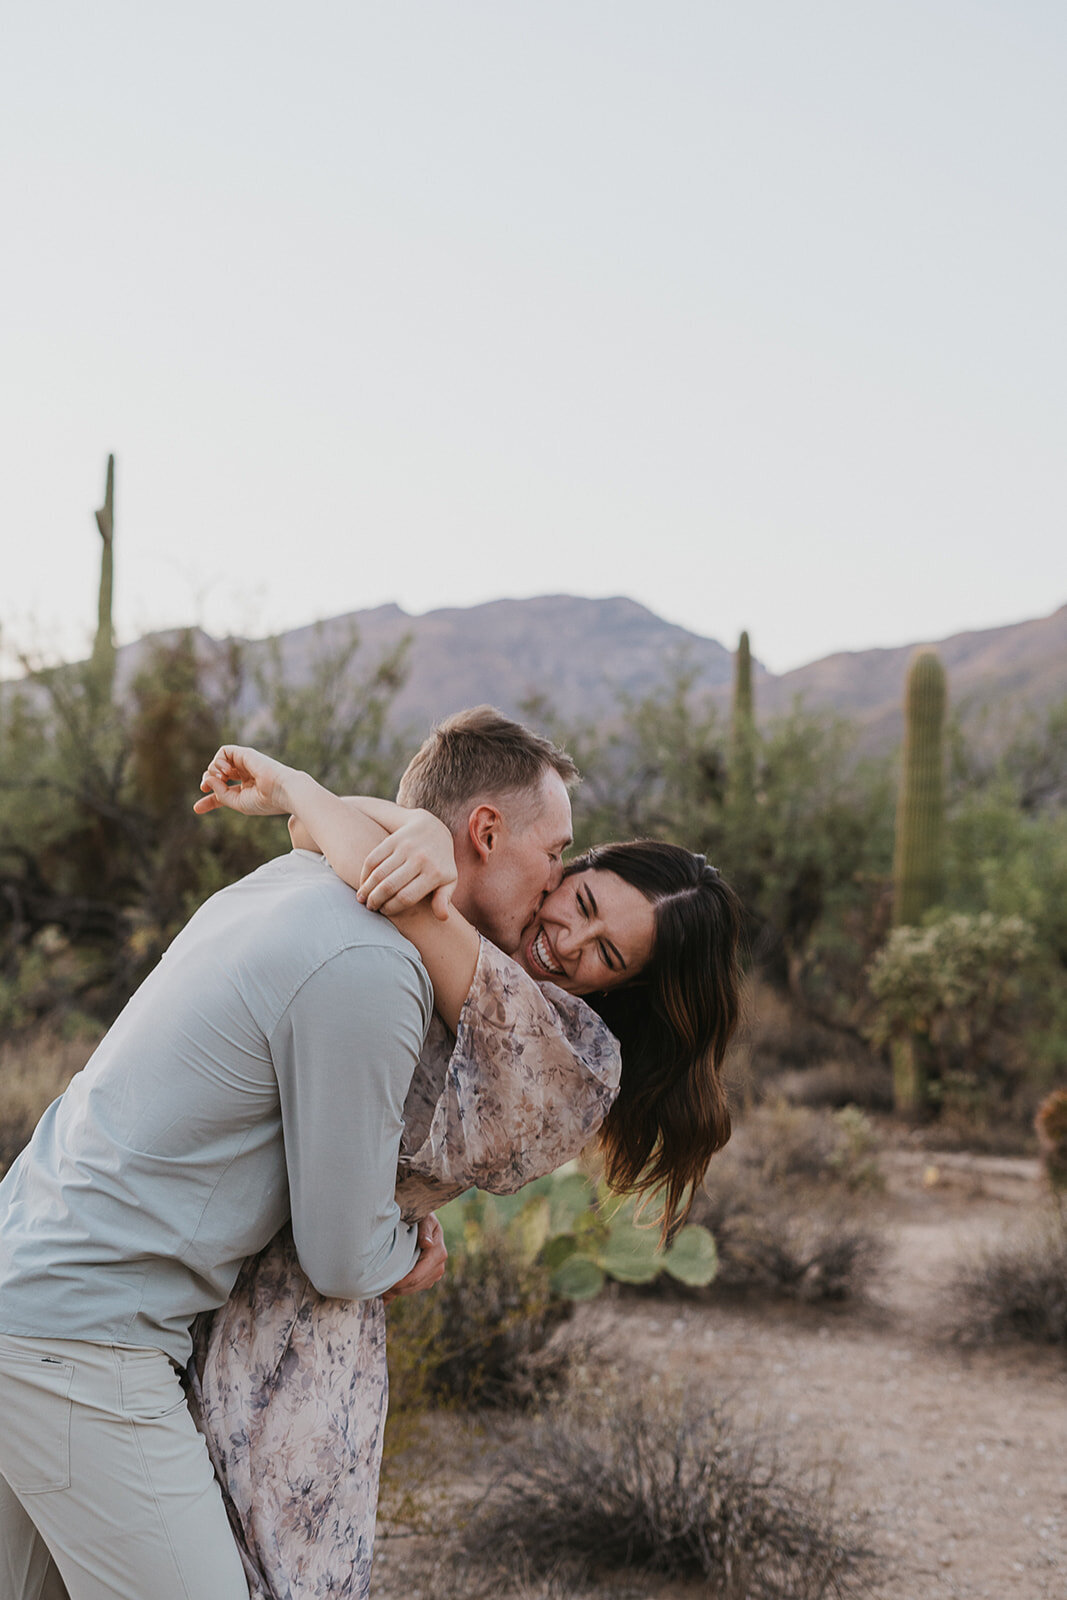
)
(960, 1455)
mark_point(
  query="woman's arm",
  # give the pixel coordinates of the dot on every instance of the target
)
(404, 864)
(410, 862)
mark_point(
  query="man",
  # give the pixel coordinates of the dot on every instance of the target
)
(258, 1074)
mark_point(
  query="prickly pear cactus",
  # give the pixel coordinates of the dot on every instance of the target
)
(581, 1235)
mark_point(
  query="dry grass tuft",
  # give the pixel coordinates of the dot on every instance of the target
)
(1017, 1288)
(628, 1487)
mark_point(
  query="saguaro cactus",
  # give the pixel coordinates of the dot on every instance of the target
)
(742, 777)
(103, 660)
(919, 857)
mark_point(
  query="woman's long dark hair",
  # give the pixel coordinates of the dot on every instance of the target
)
(673, 1022)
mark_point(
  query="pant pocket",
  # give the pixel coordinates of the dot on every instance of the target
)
(149, 1384)
(36, 1408)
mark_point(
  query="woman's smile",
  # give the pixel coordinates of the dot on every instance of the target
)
(542, 954)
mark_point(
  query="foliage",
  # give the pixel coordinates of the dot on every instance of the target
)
(784, 1144)
(581, 1234)
(825, 1253)
(1016, 1289)
(956, 985)
(101, 857)
(481, 1337)
(1050, 1124)
(627, 1486)
(517, 1265)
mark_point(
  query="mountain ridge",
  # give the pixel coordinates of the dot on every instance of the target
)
(578, 656)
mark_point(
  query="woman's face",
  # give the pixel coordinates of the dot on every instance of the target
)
(594, 932)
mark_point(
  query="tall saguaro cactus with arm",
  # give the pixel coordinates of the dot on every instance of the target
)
(919, 854)
(103, 660)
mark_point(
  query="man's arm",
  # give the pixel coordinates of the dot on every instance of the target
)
(344, 1052)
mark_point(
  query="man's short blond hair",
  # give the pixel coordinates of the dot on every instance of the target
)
(478, 755)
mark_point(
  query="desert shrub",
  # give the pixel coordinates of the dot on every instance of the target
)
(1017, 1288)
(1050, 1124)
(835, 1084)
(626, 1486)
(484, 1337)
(481, 1337)
(101, 857)
(953, 991)
(820, 1254)
(798, 1057)
(785, 1144)
(784, 1204)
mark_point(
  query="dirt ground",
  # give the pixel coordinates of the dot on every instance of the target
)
(958, 1455)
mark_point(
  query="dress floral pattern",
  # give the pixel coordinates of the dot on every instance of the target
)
(290, 1389)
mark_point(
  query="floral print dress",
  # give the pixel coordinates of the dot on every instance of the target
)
(290, 1389)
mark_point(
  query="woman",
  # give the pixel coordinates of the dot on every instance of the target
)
(613, 1020)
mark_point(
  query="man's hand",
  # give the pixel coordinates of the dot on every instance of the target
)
(430, 1267)
(239, 778)
(416, 860)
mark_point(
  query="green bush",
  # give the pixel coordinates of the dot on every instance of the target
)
(481, 1337)
(954, 992)
(99, 849)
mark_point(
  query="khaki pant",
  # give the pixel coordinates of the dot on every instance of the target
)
(106, 1491)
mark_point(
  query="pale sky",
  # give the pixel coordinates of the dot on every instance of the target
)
(751, 311)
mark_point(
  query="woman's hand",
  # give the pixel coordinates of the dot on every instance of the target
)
(416, 860)
(429, 1267)
(242, 779)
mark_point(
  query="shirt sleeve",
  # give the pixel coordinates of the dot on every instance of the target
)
(344, 1051)
(530, 1079)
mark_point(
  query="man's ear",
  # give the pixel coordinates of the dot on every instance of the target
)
(483, 830)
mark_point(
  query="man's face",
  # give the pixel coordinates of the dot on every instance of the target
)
(524, 863)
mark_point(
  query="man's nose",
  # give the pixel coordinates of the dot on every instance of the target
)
(555, 876)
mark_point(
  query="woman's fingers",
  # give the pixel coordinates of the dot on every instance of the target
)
(381, 853)
(394, 886)
(430, 1266)
(242, 779)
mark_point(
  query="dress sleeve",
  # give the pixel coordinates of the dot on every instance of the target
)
(531, 1077)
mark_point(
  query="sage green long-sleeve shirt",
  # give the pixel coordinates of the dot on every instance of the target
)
(258, 1073)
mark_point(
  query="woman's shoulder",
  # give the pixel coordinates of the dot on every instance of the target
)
(532, 1074)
